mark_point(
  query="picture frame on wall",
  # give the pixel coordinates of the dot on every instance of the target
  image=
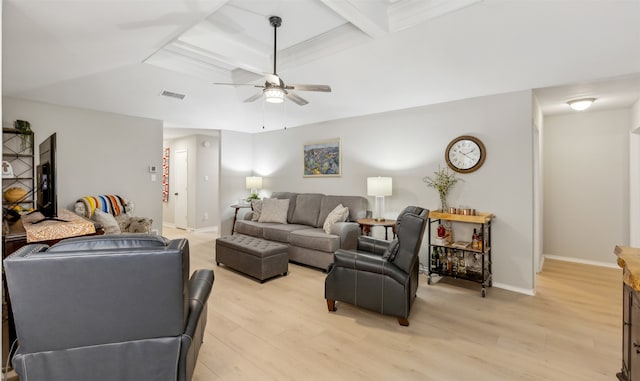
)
(322, 158)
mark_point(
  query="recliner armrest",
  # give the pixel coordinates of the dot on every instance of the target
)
(368, 262)
(372, 245)
(200, 286)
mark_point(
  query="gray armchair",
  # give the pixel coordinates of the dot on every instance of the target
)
(107, 308)
(381, 276)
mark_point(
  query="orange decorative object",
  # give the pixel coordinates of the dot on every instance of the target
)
(14, 194)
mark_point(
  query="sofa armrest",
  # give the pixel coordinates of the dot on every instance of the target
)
(348, 233)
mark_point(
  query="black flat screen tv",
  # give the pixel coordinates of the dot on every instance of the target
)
(46, 196)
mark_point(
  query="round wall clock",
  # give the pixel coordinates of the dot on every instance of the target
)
(465, 154)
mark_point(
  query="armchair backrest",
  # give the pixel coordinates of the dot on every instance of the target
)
(97, 290)
(410, 227)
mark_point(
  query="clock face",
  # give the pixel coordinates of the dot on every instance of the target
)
(465, 154)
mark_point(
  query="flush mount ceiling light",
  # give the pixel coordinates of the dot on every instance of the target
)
(581, 104)
(273, 95)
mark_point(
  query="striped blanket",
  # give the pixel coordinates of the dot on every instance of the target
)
(112, 204)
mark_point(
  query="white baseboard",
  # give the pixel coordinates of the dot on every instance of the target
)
(520, 290)
(583, 261)
(208, 229)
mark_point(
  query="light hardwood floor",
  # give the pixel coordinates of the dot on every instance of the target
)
(281, 330)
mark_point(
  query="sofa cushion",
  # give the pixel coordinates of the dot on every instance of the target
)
(339, 214)
(315, 239)
(280, 232)
(252, 228)
(357, 207)
(307, 209)
(274, 210)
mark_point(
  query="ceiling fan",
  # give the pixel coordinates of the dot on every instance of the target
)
(274, 89)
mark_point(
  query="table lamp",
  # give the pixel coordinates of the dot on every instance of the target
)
(254, 183)
(379, 187)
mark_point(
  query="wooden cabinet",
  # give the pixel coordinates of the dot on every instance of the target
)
(629, 260)
(18, 164)
(630, 335)
(459, 258)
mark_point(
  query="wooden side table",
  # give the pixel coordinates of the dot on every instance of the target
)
(235, 216)
(367, 223)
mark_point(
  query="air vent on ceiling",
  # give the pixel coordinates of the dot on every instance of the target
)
(171, 94)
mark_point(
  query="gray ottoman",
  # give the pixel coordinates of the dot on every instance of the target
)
(253, 256)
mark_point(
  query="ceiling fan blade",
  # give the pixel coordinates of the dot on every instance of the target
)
(323, 88)
(237, 84)
(253, 97)
(296, 99)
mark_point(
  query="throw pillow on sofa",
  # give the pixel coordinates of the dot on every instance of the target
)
(338, 214)
(107, 221)
(256, 207)
(274, 210)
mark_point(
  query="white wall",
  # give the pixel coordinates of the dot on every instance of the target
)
(538, 185)
(202, 188)
(409, 145)
(98, 153)
(236, 158)
(634, 176)
(586, 185)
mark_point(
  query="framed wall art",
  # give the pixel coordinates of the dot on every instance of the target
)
(322, 159)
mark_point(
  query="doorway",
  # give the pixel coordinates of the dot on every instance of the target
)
(180, 196)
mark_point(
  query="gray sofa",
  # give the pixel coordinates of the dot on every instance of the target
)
(307, 242)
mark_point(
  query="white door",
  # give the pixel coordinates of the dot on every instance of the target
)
(180, 189)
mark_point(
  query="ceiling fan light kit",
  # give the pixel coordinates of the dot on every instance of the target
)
(273, 95)
(274, 89)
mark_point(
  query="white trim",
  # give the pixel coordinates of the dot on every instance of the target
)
(526, 291)
(208, 229)
(583, 261)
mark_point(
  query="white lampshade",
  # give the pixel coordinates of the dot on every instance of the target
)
(581, 104)
(379, 186)
(253, 182)
(273, 95)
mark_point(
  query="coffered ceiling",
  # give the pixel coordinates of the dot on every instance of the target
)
(377, 55)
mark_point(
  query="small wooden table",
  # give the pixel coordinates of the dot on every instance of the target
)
(367, 223)
(235, 216)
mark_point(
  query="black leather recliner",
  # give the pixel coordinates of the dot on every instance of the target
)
(381, 276)
(107, 308)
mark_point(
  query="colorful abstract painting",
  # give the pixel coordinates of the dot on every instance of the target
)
(322, 159)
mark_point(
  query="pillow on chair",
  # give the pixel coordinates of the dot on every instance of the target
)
(107, 221)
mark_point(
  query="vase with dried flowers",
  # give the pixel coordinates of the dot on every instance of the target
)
(442, 181)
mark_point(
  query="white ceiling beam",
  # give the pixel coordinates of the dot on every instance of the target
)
(225, 48)
(368, 16)
(336, 40)
(404, 14)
